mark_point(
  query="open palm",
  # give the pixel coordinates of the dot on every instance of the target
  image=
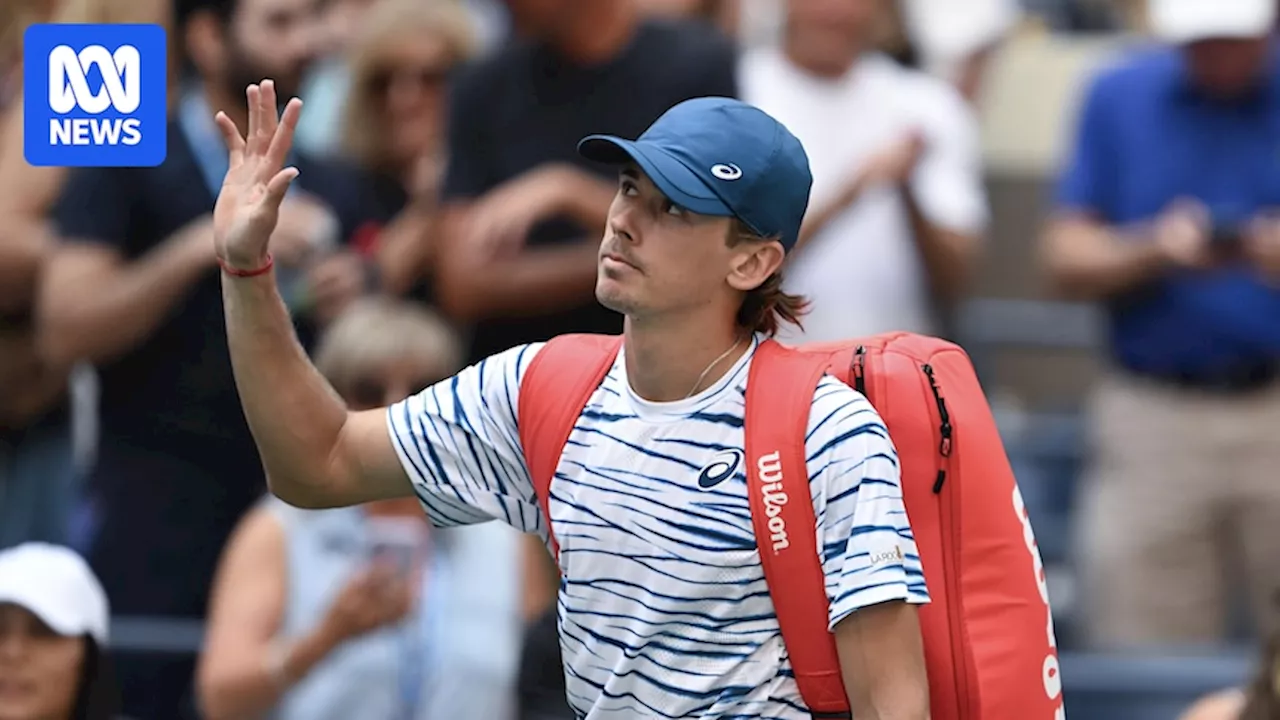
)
(248, 205)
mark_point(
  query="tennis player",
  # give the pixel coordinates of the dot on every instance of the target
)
(664, 610)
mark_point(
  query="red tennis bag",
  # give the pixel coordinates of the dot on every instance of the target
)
(988, 632)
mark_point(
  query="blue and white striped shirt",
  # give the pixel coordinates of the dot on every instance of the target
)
(664, 611)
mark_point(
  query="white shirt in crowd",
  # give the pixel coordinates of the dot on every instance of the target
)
(864, 273)
(664, 611)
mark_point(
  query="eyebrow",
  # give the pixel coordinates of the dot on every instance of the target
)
(630, 172)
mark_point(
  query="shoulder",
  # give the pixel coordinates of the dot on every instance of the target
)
(686, 44)
(842, 420)
(475, 76)
(1132, 76)
(928, 97)
(330, 173)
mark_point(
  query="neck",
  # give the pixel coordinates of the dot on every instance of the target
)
(236, 108)
(664, 364)
(598, 31)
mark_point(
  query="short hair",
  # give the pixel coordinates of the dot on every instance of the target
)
(767, 306)
(185, 9)
(365, 141)
(375, 331)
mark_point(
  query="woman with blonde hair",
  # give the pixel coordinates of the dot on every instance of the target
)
(393, 126)
(362, 612)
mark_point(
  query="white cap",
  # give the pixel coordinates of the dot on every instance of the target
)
(1185, 21)
(57, 586)
(946, 32)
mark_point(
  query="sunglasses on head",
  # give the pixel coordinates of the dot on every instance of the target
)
(424, 77)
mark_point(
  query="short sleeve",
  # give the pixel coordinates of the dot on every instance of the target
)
(949, 183)
(1090, 165)
(869, 554)
(96, 205)
(459, 443)
(466, 176)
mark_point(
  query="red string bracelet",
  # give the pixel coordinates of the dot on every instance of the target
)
(237, 272)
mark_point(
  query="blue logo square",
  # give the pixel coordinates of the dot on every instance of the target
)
(94, 95)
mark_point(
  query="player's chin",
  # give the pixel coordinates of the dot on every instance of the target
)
(614, 294)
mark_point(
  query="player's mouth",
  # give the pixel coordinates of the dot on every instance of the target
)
(615, 259)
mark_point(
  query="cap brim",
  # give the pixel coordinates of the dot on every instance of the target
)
(28, 600)
(680, 184)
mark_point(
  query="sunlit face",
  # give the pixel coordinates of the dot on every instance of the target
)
(39, 669)
(410, 81)
(834, 30)
(660, 259)
(274, 39)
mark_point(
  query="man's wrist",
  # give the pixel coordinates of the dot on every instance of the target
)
(247, 270)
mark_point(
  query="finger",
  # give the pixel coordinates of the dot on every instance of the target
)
(270, 111)
(263, 119)
(279, 185)
(252, 141)
(282, 139)
(231, 137)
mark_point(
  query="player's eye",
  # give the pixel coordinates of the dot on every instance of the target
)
(628, 187)
(673, 209)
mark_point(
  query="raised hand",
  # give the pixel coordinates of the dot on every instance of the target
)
(248, 206)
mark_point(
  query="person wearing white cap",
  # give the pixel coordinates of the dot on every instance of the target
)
(53, 636)
(1169, 215)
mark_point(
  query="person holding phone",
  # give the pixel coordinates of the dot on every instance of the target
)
(1167, 217)
(336, 614)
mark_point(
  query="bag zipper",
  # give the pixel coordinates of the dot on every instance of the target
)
(944, 428)
(949, 514)
(859, 370)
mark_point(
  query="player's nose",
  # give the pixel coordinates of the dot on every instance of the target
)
(622, 225)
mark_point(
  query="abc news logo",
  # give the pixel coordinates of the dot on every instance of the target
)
(69, 91)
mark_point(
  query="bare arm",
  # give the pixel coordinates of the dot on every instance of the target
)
(316, 453)
(1087, 261)
(882, 662)
(541, 577)
(409, 248)
(26, 194)
(1225, 705)
(23, 248)
(239, 674)
(474, 286)
(95, 306)
(948, 255)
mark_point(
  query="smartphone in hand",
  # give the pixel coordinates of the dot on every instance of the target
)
(401, 543)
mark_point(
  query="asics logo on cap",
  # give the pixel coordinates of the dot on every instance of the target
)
(726, 171)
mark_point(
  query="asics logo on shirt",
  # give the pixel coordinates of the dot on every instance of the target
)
(719, 469)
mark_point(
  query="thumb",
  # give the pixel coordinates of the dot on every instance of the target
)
(279, 185)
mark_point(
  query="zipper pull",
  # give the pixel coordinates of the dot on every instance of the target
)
(860, 369)
(945, 429)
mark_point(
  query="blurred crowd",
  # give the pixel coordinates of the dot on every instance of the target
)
(442, 215)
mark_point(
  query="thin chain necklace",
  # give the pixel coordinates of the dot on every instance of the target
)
(715, 362)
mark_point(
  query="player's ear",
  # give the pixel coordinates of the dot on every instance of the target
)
(752, 262)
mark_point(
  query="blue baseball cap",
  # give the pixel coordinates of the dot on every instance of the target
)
(722, 157)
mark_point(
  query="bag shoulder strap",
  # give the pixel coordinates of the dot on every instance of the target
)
(553, 391)
(779, 396)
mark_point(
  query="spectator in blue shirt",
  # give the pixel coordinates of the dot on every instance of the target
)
(1167, 213)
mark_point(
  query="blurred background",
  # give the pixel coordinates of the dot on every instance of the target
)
(1083, 193)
